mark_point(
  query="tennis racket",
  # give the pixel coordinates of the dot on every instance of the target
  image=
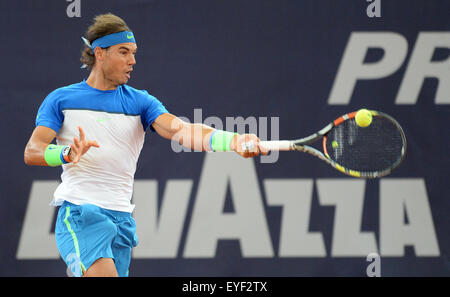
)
(370, 152)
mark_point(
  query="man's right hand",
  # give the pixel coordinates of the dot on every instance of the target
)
(80, 147)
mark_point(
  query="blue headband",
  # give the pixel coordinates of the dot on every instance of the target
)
(113, 39)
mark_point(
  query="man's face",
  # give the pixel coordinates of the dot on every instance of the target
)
(117, 62)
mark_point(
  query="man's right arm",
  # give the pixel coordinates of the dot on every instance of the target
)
(38, 142)
(41, 138)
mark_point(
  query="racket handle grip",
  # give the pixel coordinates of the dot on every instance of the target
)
(277, 145)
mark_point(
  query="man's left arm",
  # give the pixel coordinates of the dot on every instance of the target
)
(197, 136)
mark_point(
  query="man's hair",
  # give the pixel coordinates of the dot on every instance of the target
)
(103, 25)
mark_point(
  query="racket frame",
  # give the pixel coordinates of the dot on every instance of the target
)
(302, 145)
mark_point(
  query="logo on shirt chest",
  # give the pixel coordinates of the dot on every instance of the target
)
(101, 120)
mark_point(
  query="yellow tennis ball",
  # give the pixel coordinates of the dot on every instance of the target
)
(334, 144)
(363, 117)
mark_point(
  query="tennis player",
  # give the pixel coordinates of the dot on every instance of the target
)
(99, 125)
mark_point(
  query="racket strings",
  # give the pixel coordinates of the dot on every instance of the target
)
(373, 148)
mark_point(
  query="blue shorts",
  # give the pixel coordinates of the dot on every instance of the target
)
(85, 233)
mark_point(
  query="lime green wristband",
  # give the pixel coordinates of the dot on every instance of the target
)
(220, 140)
(53, 155)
